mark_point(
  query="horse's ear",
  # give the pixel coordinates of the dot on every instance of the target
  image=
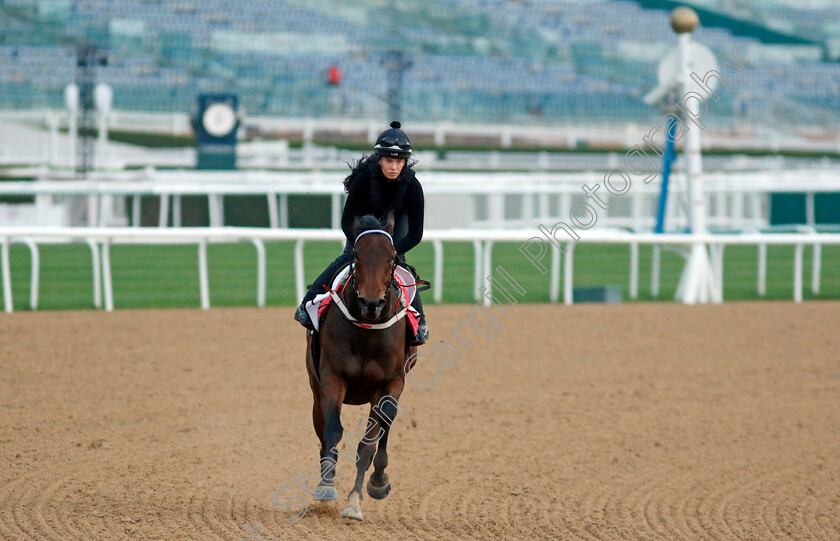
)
(357, 224)
(389, 222)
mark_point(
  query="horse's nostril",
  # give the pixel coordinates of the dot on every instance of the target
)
(370, 307)
(367, 305)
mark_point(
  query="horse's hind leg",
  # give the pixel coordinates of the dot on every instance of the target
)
(364, 456)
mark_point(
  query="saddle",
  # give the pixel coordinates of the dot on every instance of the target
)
(320, 305)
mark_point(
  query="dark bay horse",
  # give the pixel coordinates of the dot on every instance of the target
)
(361, 365)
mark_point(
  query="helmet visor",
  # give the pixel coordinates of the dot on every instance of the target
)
(393, 141)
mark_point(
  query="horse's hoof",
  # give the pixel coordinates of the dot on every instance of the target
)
(352, 511)
(325, 493)
(379, 492)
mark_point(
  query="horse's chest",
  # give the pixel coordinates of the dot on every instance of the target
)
(366, 369)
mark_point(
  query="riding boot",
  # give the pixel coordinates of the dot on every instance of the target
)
(317, 287)
(302, 316)
(422, 329)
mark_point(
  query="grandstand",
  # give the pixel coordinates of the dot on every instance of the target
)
(808, 20)
(473, 60)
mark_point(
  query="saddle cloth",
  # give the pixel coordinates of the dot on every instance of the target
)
(317, 307)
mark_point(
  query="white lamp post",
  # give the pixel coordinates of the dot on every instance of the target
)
(71, 100)
(697, 283)
(103, 97)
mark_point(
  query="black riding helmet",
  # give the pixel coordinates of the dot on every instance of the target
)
(393, 143)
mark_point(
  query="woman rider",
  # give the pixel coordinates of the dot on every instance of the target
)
(377, 184)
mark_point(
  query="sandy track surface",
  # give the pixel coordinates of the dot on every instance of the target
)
(650, 421)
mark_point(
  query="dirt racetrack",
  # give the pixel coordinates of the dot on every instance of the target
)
(647, 421)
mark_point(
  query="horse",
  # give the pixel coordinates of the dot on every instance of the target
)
(361, 362)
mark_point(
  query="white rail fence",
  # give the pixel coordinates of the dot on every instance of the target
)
(736, 201)
(101, 239)
(571, 136)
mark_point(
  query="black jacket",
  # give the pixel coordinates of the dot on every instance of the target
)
(370, 192)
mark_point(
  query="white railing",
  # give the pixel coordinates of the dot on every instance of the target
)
(736, 200)
(100, 240)
(573, 135)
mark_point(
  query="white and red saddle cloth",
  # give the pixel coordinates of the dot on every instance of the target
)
(317, 307)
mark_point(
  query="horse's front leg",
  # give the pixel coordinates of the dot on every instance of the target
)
(332, 390)
(379, 486)
(364, 456)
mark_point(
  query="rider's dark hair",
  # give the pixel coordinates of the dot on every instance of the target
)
(365, 163)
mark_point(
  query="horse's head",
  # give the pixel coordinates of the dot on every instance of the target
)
(375, 258)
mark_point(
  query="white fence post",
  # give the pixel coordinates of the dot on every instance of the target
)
(284, 210)
(438, 276)
(568, 276)
(203, 279)
(761, 288)
(97, 273)
(477, 271)
(655, 263)
(176, 210)
(7, 274)
(273, 216)
(797, 274)
(300, 290)
(816, 268)
(335, 211)
(163, 214)
(260, 245)
(488, 271)
(554, 288)
(35, 272)
(106, 275)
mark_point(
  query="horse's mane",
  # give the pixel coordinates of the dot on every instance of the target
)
(366, 223)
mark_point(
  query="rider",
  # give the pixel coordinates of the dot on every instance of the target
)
(379, 183)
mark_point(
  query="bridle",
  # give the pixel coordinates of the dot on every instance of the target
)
(353, 284)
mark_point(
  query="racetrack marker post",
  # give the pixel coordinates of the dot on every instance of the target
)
(697, 283)
(677, 73)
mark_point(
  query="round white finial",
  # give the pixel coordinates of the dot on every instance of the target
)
(684, 20)
(71, 97)
(103, 97)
